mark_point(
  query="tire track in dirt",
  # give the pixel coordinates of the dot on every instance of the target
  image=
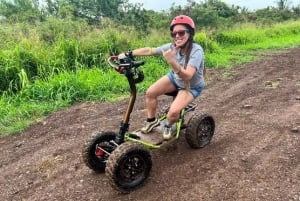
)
(254, 154)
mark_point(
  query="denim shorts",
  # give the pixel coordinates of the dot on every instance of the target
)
(195, 91)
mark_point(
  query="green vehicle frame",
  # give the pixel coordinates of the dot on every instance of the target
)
(125, 156)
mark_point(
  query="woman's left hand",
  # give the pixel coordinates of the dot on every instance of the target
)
(169, 55)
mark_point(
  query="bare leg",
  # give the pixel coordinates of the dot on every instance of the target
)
(160, 87)
(181, 101)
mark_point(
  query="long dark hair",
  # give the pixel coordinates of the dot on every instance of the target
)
(189, 45)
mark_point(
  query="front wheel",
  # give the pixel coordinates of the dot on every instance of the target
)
(97, 149)
(128, 166)
(200, 130)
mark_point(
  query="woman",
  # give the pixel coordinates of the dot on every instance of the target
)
(186, 59)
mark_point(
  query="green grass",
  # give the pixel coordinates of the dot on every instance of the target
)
(72, 69)
(62, 90)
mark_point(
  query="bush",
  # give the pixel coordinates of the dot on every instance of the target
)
(239, 37)
(207, 44)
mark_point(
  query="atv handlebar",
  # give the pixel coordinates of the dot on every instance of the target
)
(123, 64)
(113, 65)
(127, 66)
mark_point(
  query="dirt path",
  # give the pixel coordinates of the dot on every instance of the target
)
(254, 155)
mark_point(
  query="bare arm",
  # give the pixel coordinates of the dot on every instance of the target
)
(185, 74)
(145, 51)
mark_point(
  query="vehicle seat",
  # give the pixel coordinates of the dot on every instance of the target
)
(173, 93)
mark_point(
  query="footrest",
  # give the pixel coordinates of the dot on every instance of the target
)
(154, 137)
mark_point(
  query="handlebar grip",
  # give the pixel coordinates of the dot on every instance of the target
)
(109, 61)
(114, 57)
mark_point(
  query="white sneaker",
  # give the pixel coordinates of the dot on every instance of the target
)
(149, 126)
(168, 131)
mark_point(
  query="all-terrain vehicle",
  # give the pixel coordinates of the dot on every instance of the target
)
(125, 156)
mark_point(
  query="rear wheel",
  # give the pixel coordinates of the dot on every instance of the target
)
(128, 166)
(200, 130)
(97, 149)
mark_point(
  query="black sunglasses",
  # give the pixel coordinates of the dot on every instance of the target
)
(180, 33)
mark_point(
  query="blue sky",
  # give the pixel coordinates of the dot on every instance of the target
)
(158, 5)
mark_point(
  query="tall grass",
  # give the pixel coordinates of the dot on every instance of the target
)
(239, 45)
(56, 64)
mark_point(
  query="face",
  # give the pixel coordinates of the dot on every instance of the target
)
(180, 35)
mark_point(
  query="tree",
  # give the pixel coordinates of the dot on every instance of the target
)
(21, 10)
(296, 10)
(221, 8)
(120, 11)
(91, 10)
(283, 4)
(211, 13)
(271, 14)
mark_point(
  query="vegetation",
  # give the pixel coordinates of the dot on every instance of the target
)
(53, 53)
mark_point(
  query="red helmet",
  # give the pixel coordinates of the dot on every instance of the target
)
(183, 19)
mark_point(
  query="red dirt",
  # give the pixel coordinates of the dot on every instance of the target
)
(254, 155)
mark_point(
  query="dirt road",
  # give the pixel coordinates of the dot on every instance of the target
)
(254, 155)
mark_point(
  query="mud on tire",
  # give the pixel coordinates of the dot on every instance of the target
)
(200, 130)
(128, 166)
(94, 157)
